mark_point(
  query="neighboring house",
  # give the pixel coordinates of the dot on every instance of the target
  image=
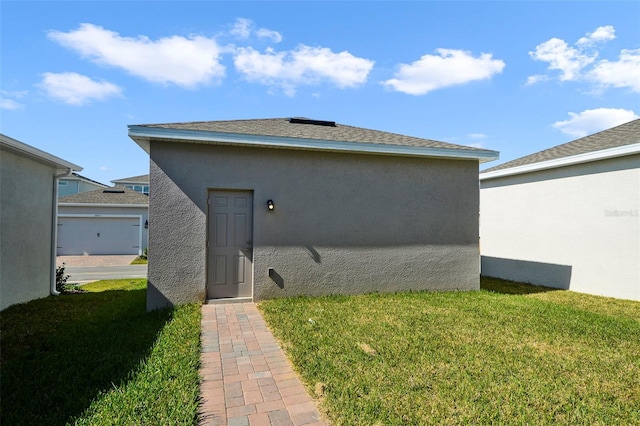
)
(75, 184)
(105, 221)
(136, 183)
(257, 209)
(28, 186)
(567, 217)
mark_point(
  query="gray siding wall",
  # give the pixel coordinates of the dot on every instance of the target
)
(26, 200)
(70, 188)
(86, 187)
(343, 223)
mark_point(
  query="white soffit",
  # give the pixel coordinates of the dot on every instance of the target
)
(142, 135)
(619, 151)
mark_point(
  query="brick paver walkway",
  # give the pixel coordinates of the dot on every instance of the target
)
(245, 377)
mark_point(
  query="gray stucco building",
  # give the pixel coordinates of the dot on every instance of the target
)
(28, 201)
(257, 209)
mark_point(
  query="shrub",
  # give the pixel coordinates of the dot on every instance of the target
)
(61, 278)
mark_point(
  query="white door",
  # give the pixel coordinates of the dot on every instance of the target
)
(230, 247)
(98, 235)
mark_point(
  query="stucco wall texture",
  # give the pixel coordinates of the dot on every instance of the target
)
(575, 227)
(26, 201)
(343, 223)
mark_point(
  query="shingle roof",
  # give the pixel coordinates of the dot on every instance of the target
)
(118, 195)
(624, 134)
(86, 179)
(133, 179)
(287, 128)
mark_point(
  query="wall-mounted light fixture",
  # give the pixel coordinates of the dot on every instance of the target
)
(270, 206)
(146, 224)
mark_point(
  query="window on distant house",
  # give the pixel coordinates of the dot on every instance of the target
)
(62, 183)
(143, 189)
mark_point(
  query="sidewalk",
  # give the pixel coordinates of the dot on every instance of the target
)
(95, 260)
(245, 377)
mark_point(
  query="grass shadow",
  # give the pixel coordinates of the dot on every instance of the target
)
(59, 353)
(498, 285)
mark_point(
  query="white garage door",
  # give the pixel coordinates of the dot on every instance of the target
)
(98, 235)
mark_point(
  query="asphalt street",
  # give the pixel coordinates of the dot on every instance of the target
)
(84, 274)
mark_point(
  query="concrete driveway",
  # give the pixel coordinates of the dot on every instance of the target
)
(85, 269)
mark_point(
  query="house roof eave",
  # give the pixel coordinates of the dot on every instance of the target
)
(604, 154)
(22, 148)
(143, 135)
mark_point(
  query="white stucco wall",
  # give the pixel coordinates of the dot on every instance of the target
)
(26, 214)
(576, 227)
(344, 223)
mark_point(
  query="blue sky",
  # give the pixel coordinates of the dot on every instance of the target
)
(511, 76)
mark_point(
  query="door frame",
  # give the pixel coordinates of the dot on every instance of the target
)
(209, 248)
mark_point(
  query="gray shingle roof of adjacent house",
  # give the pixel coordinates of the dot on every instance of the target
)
(303, 128)
(87, 179)
(133, 179)
(624, 134)
(118, 195)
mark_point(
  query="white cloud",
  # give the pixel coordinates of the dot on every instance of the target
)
(10, 104)
(580, 63)
(477, 136)
(104, 168)
(303, 66)
(184, 61)
(448, 68)
(76, 89)
(533, 79)
(568, 60)
(244, 28)
(19, 94)
(594, 120)
(623, 73)
(605, 33)
(270, 34)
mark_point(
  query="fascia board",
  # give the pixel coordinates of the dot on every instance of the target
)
(36, 154)
(142, 135)
(604, 154)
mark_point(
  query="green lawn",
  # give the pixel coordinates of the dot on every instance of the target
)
(99, 358)
(509, 354)
(139, 261)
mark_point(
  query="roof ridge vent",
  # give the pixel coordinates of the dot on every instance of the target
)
(296, 120)
(113, 191)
